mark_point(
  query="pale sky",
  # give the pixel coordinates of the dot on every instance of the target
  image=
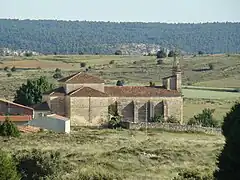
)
(123, 10)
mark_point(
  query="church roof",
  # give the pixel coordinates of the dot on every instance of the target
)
(81, 77)
(60, 91)
(140, 91)
(87, 92)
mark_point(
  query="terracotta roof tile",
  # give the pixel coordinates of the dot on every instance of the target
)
(60, 91)
(81, 77)
(16, 104)
(87, 92)
(17, 118)
(41, 107)
(28, 129)
(139, 91)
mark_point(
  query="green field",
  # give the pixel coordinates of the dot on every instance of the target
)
(137, 70)
(128, 154)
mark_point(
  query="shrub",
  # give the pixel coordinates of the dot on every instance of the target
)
(171, 53)
(13, 69)
(157, 119)
(204, 119)
(172, 119)
(9, 74)
(57, 70)
(134, 62)
(115, 122)
(193, 175)
(228, 162)
(118, 52)
(7, 128)
(151, 84)
(83, 64)
(160, 61)
(161, 54)
(111, 62)
(8, 170)
(210, 65)
(6, 68)
(38, 164)
(57, 75)
(120, 83)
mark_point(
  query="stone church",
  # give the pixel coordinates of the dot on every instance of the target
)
(85, 99)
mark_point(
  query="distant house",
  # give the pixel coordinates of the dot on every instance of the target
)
(17, 113)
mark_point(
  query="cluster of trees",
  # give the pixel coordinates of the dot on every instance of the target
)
(49, 36)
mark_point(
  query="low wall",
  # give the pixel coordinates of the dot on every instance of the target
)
(171, 127)
(53, 124)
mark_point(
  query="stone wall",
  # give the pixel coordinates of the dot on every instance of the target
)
(57, 105)
(171, 127)
(136, 109)
(88, 111)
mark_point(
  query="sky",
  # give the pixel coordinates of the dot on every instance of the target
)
(170, 11)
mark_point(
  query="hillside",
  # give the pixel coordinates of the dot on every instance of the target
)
(48, 36)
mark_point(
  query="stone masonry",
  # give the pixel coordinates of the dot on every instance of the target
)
(85, 99)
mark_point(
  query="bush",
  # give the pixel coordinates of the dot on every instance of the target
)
(193, 175)
(7, 128)
(210, 65)
(118, 52)
(6, 68)
(120, 83)
(57, 70)
(161, 54)
(9, 74)
(160, 61)
(204, 119)
(115, 122)
(57, 75)
(172, 119)
(13, 69)
(83, 64)
(8, 170)
(157, 119)
(151, 84)
(171, 53)
(37, 164)
(111, 62)
(228, 162)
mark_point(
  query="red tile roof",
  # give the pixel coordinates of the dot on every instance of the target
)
(28, 129)
(87, 92)
(140, 91)
(17, 118)
(16, 104)
(81, 77)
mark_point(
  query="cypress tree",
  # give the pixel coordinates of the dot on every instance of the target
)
(229, 159)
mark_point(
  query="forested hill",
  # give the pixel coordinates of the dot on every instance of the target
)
(48, 36)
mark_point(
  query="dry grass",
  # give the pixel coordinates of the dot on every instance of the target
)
(131, 154)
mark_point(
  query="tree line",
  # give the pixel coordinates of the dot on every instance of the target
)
(78, 37)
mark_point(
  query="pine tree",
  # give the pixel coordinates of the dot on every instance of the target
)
(229, 159)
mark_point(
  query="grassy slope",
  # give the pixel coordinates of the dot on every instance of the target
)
(159, 155)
